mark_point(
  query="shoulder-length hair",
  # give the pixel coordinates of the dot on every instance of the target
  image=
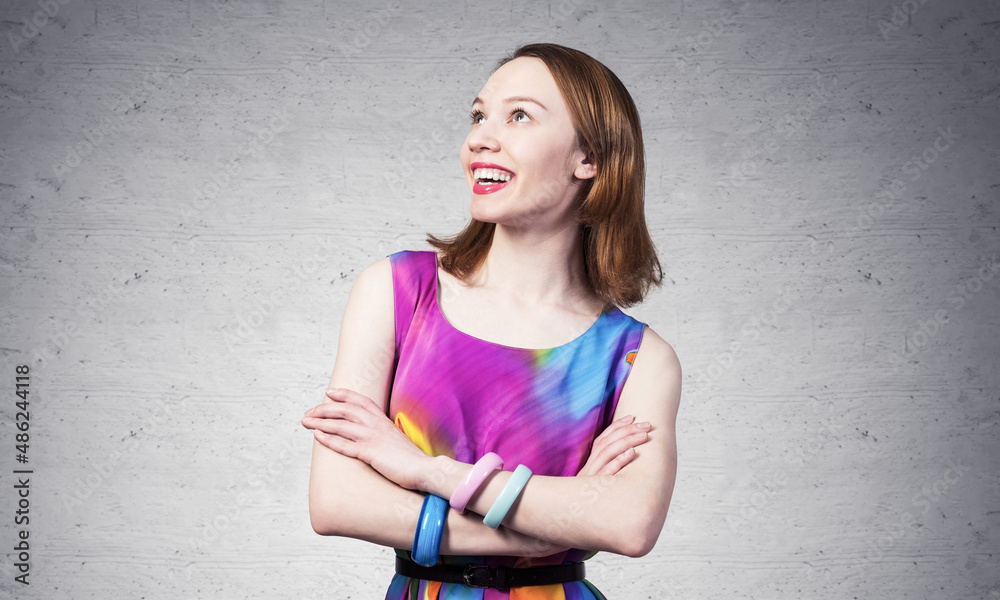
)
(619, 256)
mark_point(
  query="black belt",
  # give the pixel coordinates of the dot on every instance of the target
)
(501, 578)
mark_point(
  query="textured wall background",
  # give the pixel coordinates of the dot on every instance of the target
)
(190, 188)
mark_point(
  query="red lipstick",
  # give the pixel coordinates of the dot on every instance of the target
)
(489, 186)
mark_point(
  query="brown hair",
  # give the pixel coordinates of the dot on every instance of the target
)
(619, 256)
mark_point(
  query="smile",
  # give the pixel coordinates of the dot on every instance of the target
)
(489, 178)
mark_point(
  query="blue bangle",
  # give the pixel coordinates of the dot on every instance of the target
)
(507, 496)
(430, 526)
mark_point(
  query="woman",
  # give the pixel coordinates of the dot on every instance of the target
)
(506, 396)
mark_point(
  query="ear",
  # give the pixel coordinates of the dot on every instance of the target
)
(586, 168)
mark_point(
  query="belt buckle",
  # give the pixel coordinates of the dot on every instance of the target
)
(467, 575)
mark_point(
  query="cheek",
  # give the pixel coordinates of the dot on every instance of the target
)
(556, 163)
(546, 156)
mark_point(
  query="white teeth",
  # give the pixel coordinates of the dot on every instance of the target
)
(491, 174)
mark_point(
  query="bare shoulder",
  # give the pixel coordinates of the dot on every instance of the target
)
(374, 280)
(370, 308)
(655, 377)
(659, 352)
(367, 335)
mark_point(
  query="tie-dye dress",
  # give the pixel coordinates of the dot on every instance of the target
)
(461, 396)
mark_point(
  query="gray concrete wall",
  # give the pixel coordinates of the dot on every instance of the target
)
(189, 189)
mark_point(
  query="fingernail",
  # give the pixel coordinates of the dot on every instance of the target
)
(309, 412)
(644, 425)
(332, 391)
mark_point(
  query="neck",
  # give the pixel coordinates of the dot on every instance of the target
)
(537, 268)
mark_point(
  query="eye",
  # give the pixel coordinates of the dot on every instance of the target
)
(476, 116)
(520, 116)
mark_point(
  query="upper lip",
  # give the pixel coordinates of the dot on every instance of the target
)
(482, 165)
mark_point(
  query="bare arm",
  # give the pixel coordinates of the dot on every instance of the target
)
(349, 498)
(622, 513)
(346, 496)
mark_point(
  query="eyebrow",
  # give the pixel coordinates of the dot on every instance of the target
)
(513, 99)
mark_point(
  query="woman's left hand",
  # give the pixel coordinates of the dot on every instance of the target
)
(352, 425)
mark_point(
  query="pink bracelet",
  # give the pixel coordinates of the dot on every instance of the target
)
(473, 479)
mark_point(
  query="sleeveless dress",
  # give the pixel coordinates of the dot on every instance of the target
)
(461, 396)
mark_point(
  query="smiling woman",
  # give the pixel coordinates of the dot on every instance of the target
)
(518, 392)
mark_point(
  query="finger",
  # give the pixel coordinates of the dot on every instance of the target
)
(611, 437)
(335, 443)
(613, 432)
(326, 400)
(338, 427)
(339, 410)
(352, 397)
(615, 426)
(312, 409)
(630, 441)
(332, 416)
(618, 462)
(618, 424)
(620, 445)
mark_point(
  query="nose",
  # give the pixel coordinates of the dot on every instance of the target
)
(483, 137)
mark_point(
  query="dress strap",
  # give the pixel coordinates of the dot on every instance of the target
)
(625, 349)
(414, 273)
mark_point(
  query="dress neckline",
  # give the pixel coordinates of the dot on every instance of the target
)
(437, 306)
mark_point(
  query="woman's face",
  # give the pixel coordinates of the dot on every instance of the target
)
(521, 157)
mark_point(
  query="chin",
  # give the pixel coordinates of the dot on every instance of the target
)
(481, 213)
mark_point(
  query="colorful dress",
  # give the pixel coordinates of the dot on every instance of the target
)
(461, 396)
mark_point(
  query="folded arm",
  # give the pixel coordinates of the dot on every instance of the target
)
(363, 489)
(349, 498)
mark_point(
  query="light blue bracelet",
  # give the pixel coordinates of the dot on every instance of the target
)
(507, 496)
(430, 526)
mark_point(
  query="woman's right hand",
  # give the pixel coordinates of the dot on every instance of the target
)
(610, 451)
(615, 447)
